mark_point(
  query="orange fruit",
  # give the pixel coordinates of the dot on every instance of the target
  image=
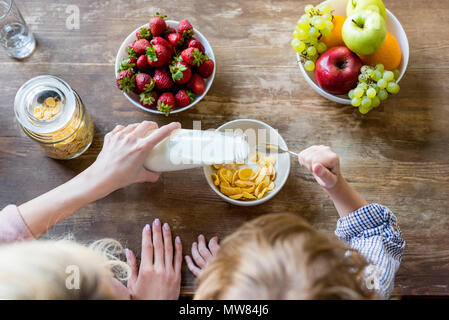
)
(389, 54)
(335, 39)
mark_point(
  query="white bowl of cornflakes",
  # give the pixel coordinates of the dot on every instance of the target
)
(268, 173)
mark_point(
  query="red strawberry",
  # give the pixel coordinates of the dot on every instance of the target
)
(140, 46)
(193, 43)
(162, 79)
(131, 44)
(127, 64)
(126, 81)
(158, 55)
(130, 50)
(206, 68)
(185, 29)
(148, 99)
(143, 33)
(183, 98)
(168, 31)
(166, 103)
(197, 85)
(162, 42)
(193, 56)
(142, 64)
(144, 82)
(157, 25)
(175, 39)
(180, 72)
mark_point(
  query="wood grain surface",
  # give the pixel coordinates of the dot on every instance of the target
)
(397, 155)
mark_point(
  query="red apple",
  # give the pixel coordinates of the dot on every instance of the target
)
(337, 70)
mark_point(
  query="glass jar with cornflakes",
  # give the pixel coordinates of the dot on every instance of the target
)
(51, 113)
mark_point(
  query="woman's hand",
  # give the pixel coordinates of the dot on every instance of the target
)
(324, 164)
(120, 162)
(203, 254)
(159, 275)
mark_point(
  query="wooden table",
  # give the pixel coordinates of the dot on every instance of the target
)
(397, 155)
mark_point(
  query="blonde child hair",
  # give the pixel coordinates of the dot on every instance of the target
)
(280, 256)
(38, 269)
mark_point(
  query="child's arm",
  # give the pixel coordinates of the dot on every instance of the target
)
(374, 232)
(325, 167)
(119, 164)
(370, 229)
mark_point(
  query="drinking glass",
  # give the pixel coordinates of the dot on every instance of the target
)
(15, 35)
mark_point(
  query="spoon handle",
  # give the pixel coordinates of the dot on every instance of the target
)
(291, 152)
(278, 149)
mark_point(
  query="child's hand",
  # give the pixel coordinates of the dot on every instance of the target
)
(120, 162)
(203, 254)
(159, 275)
(323, 162)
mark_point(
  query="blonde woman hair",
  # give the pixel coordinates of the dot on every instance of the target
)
(280, 256)
(40, 269)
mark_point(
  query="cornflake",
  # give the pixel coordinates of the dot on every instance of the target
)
(243, 183)
(48, 110)
(73, 138)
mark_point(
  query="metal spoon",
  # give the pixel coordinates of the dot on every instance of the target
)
(277, 149)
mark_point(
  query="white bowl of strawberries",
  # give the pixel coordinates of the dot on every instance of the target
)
(165, 66)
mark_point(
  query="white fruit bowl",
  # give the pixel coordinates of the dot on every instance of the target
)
(282, 165)
(393, 26)
(134, 98)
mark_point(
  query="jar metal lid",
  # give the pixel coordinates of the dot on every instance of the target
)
(33, 92)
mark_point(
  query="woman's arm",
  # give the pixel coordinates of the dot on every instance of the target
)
(324, 164)
(119, 164)
(45, 211)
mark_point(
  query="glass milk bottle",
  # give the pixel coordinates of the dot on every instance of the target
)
(51, 113)
(186, 149)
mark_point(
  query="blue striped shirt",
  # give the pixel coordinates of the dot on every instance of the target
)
(373, 231)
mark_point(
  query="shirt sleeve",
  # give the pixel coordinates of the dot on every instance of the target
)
(12, 226)
(373, 231)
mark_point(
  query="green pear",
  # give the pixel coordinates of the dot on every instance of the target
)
(355, 6)
(364, 32)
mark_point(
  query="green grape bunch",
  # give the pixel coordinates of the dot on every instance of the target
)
(374, 86)
(315, 23)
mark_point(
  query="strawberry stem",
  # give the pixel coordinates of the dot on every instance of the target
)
(147, 98)
(151, 54)
(163, 16)
(145, 33)
(191, 96)
(132, 54)
(165, 108)
(177, 71)
(198, 57)
(128, 84)
(126, 65)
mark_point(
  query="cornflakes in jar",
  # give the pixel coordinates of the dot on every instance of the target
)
(51, 113)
